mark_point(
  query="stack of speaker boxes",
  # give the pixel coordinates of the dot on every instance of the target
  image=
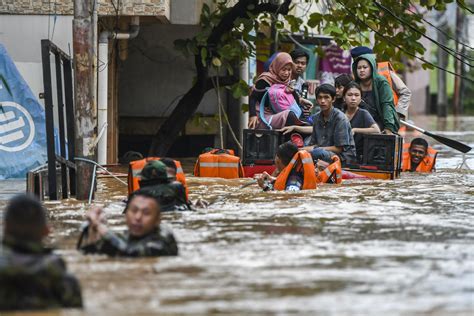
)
(259, 149)
(382, 158)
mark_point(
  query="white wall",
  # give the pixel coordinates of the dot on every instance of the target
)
(22, 34)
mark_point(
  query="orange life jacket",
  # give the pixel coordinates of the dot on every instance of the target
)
(219, 163)
(135, 167)
(426, 164)
(302, 159)
(384, 68)
(332, 173)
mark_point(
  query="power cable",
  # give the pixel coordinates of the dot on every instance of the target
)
(449, 50)
(440, 30)
(223, 113)
(55, 19)
(463, 6)
(402, 49)
(49, 17)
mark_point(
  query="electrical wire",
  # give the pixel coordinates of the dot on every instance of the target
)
(402, 49)
(449, 50)
(55, 19)
(440, 30)
(223, 112)
(49, 17)
(463, 6)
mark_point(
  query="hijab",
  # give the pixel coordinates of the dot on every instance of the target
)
(271, 76)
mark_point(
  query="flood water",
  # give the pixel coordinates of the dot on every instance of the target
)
(374, 247)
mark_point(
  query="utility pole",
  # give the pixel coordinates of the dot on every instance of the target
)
(442, 99)
(85, 106)
(457, 100)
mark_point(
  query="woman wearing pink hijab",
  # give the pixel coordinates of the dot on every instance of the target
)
(279, 73)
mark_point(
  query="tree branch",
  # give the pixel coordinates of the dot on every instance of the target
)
(240, 10)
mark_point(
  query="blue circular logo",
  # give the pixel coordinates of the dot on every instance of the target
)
(17, 128)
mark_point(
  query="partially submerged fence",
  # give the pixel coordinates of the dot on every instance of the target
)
(61, 167)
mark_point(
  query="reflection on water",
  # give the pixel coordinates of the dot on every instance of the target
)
(365, 247)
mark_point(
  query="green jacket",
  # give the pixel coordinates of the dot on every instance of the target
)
(31, 277)
(172, 195)
(160, 242)
(382, 94)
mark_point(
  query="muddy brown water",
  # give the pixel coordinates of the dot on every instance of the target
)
(403, 247)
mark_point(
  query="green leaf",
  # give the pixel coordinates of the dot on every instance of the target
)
(279, 25)
(206, 9)
(426, 66)
(372, 25)
(204, 56)
(216, 62)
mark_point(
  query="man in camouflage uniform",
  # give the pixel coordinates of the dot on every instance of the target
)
(145, 235)
(160, 180)
(31, 276)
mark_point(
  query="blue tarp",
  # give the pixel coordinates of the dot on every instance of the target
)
(22, 124)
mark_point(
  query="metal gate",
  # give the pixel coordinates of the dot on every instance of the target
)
(60, 160)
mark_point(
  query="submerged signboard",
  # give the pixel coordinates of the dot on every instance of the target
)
(22, 123)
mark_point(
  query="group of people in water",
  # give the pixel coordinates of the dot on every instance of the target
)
(32, 277)
(370, 101)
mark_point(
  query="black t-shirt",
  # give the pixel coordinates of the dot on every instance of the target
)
(361, 119)
(369, 99)
(339, 104)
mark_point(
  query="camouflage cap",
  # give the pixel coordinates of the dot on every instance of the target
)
(154, 170)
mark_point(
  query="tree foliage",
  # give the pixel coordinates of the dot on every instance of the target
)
(397, 25)
(228, 37)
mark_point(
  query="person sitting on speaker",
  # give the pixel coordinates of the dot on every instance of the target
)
(331, 131)
(361, 120)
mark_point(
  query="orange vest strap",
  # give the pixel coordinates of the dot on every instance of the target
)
(384, 68)
(303, 158)
(332, 173)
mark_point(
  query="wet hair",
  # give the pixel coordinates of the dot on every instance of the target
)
(286, 151)
(351, 85)
(169, 163)
(144, 192)
(297, 53)
(25, 218)
(326, 88)
(419, 141)
(342, 80)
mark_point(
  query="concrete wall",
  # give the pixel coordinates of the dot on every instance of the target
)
(186, 11)
(155, 73)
